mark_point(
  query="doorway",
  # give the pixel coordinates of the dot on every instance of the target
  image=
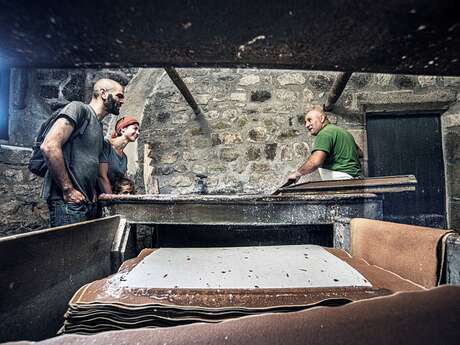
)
(403, 144)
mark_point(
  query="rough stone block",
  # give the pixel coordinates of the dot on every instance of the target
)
(43, 74)
(250, 79)
(215, 139)
(163, 117)
(450, 120)
(14, 155)
(291, 79)
(195, 131)
(242, 122)
(49, 91)
(359, 80)
(230, 114)
(74, 89)
(427, 80)
(14, 175)
(453, 173)
(257, 134)
(189, 156)
(200, 143)
(454, 206)
(301, 150)
(229, 154)
(212, 114)
(231, 185)
(405, 81)
(19, 87)
(59, 74)
(321, 81)
(188, 80)
(238, 96)
(452, 144)
(164, 170)
(382, 80)
(286, 96)
(222, 125)
(180, 119)
(231, 138)
(180, 168)
(169, 158)
(398, 99)
(260, 167)
(253, 153)
(260, 96)
(216, 168)
(288, 134)
(286, 153)
(308, 97)
(199, 169)
(180, 181)
(270, 151)
(203, 98)
(451, 81)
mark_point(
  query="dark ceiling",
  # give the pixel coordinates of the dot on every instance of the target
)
(405, 36)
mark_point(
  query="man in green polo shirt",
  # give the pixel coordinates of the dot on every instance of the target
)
(335, 153)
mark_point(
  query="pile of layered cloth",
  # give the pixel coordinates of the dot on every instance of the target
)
(176, 286)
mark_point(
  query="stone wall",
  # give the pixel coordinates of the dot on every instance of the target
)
(255, 121)
(256, 128)
(451, 133)
(34, 95)
(21, 209)
(251, 133)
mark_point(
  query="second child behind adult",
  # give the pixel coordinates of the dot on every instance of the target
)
(114, 162)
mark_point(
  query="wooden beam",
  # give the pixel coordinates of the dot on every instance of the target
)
(336, 90)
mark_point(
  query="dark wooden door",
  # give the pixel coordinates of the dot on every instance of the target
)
(409, 144)
(4, 96)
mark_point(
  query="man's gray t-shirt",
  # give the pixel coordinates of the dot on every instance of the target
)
(118, 165)
(81, 153)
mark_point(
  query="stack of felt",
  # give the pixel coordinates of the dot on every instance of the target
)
(176, 286)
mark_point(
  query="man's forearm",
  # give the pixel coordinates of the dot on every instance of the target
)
(308, 167)
(311, 164)
(57, 168)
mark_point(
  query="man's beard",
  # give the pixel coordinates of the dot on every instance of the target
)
(111, 106)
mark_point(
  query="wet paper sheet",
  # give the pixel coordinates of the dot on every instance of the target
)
(176, 286)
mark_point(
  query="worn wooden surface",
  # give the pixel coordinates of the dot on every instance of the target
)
(384, 184)
(242, 209)
(40, 271)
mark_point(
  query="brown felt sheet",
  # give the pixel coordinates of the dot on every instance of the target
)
(413, 252)
(409, 318)
(104, 305)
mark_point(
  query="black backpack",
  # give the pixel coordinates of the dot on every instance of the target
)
(37, 163)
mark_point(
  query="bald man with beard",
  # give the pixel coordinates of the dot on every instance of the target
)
(335, 153)
(70, 183)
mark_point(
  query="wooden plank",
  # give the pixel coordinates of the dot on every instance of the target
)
(386, 184)
(40, 270)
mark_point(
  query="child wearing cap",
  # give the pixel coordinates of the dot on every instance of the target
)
(113, 163)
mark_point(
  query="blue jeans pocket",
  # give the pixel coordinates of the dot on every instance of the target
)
(62, 213)
(76, 208)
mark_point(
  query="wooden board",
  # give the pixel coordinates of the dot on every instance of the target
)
(384, 184)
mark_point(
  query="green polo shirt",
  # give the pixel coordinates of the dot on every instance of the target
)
(341, 149)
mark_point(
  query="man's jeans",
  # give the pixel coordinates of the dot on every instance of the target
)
(61, 213)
